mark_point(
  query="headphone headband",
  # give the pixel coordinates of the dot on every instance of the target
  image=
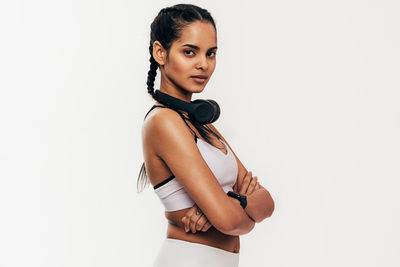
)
(201, 110)
(172, 101)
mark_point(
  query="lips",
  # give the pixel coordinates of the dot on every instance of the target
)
(200, 76)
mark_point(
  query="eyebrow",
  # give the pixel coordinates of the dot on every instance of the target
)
(198, 48)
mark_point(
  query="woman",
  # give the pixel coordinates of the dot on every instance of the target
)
(190, 165)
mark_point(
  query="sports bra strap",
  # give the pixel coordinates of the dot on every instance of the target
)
(183, 117)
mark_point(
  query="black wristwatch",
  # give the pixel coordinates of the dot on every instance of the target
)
(241, 198)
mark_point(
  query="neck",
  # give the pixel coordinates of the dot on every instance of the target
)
(172, 89)
(185, 96)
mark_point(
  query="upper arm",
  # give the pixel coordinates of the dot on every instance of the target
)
(175, 145)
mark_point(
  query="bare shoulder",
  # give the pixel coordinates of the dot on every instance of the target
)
(159, 118)
(162, 123)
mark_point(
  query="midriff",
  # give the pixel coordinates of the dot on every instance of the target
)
(212, 237)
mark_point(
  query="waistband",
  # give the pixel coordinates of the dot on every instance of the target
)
(177, 253)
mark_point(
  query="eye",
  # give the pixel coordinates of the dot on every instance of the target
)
(212, 53)
(187, 52)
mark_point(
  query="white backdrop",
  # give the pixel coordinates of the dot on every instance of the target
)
(314, 86)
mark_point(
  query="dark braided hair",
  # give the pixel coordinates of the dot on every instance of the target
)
(166, 28)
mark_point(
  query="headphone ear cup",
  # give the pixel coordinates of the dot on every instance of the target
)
(203, 111)
(216, 109)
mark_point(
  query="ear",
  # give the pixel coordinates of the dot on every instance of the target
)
(159, 53)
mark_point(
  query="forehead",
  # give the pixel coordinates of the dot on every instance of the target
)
(199, 33)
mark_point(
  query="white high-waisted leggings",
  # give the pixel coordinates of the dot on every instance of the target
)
(179, 253)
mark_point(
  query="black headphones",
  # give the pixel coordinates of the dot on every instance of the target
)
(201, 110)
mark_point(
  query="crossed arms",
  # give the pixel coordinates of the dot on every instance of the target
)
(260, 204)
(165, 133)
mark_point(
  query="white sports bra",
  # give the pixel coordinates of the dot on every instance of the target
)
(224, 167)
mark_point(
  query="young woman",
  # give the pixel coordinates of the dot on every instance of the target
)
(190, 164)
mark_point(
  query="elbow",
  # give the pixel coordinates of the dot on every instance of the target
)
(234, 220)
(240, 226)
(224, 224)
(271, 208)
(268, 211)
(226, 228)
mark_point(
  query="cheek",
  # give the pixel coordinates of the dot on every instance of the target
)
(212, 66)
(182, 66)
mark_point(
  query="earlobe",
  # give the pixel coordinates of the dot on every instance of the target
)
(159, 53)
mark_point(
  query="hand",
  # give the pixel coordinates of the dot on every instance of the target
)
(195, 220)
(249, 184)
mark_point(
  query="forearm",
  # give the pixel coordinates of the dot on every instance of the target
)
(243, 225)
(260, 205)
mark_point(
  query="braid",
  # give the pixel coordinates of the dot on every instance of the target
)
(151, 76)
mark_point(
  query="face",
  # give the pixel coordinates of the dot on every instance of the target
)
(193, 54)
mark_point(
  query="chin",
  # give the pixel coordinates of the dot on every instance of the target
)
(198, 88)
(196, 91)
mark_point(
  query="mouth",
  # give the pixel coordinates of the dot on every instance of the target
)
(199, 78)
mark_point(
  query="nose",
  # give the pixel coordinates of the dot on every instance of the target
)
(202, 63)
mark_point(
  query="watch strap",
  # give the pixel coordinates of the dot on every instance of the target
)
(241, 198)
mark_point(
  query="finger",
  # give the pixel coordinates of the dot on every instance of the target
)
(245, 183)
(206, 226)
(235, 187)
(252, 185)
(200, 223)
(258, 186)
(193, 222)
(188, 215)
(184, 221)
(191, 211)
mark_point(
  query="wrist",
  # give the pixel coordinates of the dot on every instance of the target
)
(241, 198)
(235, 200)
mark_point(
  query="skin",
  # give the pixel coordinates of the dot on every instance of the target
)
(194, 220)
(169, 147)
